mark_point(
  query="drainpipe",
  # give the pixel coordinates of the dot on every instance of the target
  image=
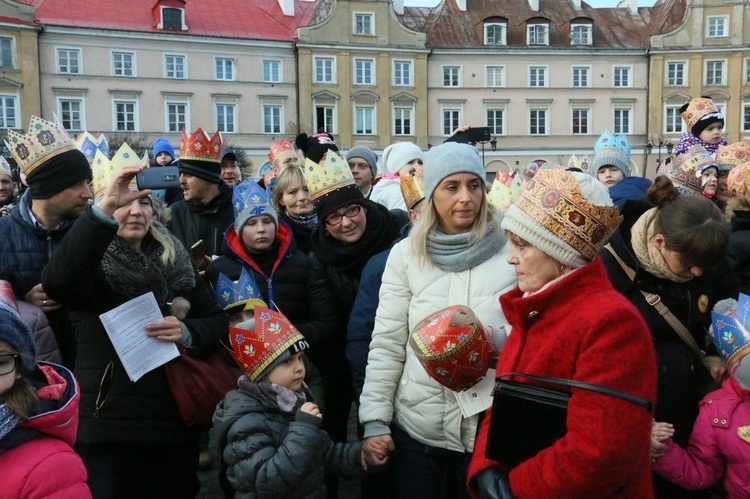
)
(296, 79)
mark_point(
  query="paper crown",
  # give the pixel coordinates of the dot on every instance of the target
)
(249, 196)
(695, 160)
(5, 167)
(268, 177)
(255, 351)
(554, 200)
(43, 140)
(104, 169)
(278, 147)
(240, 295)
(453, 348)
(607, 140)
(738, 179)
(505, 189)
(582, 163)
(727, 157)
(697, 109)
(7, 296)
(88, 145)
(198, 147)
(412, 186)
(333, 174)
(683, 174)
(730, 334)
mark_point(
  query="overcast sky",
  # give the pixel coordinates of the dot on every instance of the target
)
(593, 3)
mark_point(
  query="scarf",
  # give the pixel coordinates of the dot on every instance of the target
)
(455, 253)
(8, 420)
(134, 272)
(648, 255)
(288, 401)
(306, 221)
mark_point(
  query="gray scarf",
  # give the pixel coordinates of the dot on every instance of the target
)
(455, 253)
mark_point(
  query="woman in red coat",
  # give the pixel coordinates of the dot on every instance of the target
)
(568, 322)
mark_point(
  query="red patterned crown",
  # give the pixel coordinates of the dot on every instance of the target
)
(697, 109)
(198, 147)
(736, 153)
(278, 147)
(44, 140)
(738, 180)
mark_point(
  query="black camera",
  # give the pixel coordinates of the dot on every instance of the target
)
(472, 135)
(158, 177)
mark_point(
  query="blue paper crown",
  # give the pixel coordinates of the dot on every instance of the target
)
(249, 196)
(730, 334)
(245, 292)
(88, 147)
(609, 141)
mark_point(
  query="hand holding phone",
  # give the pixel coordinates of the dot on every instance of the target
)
(158, 177)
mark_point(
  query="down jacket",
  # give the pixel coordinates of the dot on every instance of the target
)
(397, 388)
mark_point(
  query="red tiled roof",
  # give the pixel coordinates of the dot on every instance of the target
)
(15, 20)
(251, 19)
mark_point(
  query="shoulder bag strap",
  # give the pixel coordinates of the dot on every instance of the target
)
(571, 383)
(655, 301)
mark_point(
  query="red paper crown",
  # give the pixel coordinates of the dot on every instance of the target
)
(278, 147)
(198, 147)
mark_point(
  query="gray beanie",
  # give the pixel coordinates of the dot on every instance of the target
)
(611, 150)
(449, 158)
(395, 156)
(365, 153)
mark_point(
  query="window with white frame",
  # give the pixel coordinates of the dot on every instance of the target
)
(126, 115)
(272, 119)
(672, 119)
(271, 71)
(364, 23)
(495, 76)
(174, 66)
(172, 18)
(676, 73)
(451, 76)
(7, 52)
(402, 74)
(9, 111)
(224, 68)
(226, 117)
(70, 112)
(177, 115)
(402, 121)
(69, 61)
(123, 64)
(537, 76)
(746, 117)
(622, 120)
(494, 33)
(580, 120)
(364, 120)
(715, 73)
(496, 121)
(325, 118)
(451, 120)
(537, 34)
(538, 121)
(622, 76)
(716, 26)
(581, 76)
(364, 70)
(580, 34)
(324, 71)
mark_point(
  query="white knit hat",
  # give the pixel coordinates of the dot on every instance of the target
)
(395, 156)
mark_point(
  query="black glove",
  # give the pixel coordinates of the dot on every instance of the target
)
(493, 483)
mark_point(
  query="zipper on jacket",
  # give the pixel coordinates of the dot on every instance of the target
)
(269, 283)
(49, 246)
(104, 384)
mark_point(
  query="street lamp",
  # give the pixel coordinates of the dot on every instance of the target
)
(658, 145)
(493, 144)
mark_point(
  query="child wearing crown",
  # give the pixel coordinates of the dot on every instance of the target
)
(704, 122)
(720, 442)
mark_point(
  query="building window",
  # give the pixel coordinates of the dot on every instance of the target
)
(494, 33)
(495, 76)
(69, 61)
(364, 120)
(271, 71)
(71, 114)
(581, 76)
(325, 118)
(747, 71)
(675, 74)
(746, 117)
(172, 19)
(123, 64)
(125, 116)
(537, 121)
(622, 121)
(402, 121)
(580, 34)
(226, 118)
(324, 71)
(174, 66)
(716, 27)
(537, 34)
(580, 121)
(495, 121)
(451, 76)
(537, 76)
(224, 68)
(622, 76)
(364, 24)
(8, 111)
(6, 53)
(177, 116)
(672, 120)
(272, 119)
(714, 72)
(402, 74)
(363, 71)
(451, 120)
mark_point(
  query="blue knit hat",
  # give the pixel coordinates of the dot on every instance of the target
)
(449, 158)
(612, 151)
(163, 145)
(15, 332)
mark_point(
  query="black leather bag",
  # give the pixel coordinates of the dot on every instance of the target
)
(528, 418)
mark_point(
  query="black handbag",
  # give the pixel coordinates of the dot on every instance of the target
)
(527, 418)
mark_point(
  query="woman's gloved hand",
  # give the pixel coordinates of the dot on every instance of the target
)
(493, 483)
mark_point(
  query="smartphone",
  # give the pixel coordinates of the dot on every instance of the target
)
(198, 255)
(473, 134)
(158, 177)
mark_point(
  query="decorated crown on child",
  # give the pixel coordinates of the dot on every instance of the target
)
(89, 144)
(699, 108)
(505, 189)
(734, 154)
(730, 331)
(580, 162)
(239, 295)
(412, 186)
(43, 140)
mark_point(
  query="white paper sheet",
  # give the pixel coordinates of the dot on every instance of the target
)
(126, 327)
(479, 397)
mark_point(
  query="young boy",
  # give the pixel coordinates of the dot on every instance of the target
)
(704, 122)
(164, 156)
(612, 166)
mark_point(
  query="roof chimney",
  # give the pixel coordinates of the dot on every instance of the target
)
(461, 4)
(287, 7)
(534, 4)
(398, 7)
(576, 4)
(631, 5)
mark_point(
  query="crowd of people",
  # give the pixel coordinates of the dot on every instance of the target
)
(395, 286)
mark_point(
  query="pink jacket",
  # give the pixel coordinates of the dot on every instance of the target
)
(715, 448)
(47, 466)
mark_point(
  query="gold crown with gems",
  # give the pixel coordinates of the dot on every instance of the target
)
(332, 175)
(43, 140)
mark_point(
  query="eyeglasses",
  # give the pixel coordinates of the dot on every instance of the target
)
(350, 213)
(9, 362)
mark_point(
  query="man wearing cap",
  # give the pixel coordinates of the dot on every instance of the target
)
(58, 177)
(230, 169)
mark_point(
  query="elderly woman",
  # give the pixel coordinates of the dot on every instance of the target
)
(131, 437)
(291, 200)
(568, 322)
(455, 255)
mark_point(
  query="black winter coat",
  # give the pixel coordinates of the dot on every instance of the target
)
(113, 409)
(301, 233)
(738, 253)
(193, 221)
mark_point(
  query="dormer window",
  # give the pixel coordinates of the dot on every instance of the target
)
(494, 33)
(172, 18)
(580, 34)
(537, 34)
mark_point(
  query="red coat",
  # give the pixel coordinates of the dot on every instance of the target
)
(47, 466)
(581, 328)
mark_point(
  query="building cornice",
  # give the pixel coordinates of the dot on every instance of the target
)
(556, 51)
(676, 51)
(362, 48)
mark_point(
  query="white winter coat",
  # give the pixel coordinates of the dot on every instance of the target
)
(397, 388)
(388, 193)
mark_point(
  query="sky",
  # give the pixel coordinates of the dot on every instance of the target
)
(593, 3)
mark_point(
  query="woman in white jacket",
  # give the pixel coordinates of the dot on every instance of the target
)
(455, 255)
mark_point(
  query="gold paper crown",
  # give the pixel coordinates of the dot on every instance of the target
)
(694, 160)
(44, 140)
(697, 109)
(738, 179)
(683, 172)
(5, 167)
(554, 200)
(732, 155)
(88, 145)
(333, 174)
(412, 186)
(581, 163)
(198, 147)
(104, 169)
(505, 189)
